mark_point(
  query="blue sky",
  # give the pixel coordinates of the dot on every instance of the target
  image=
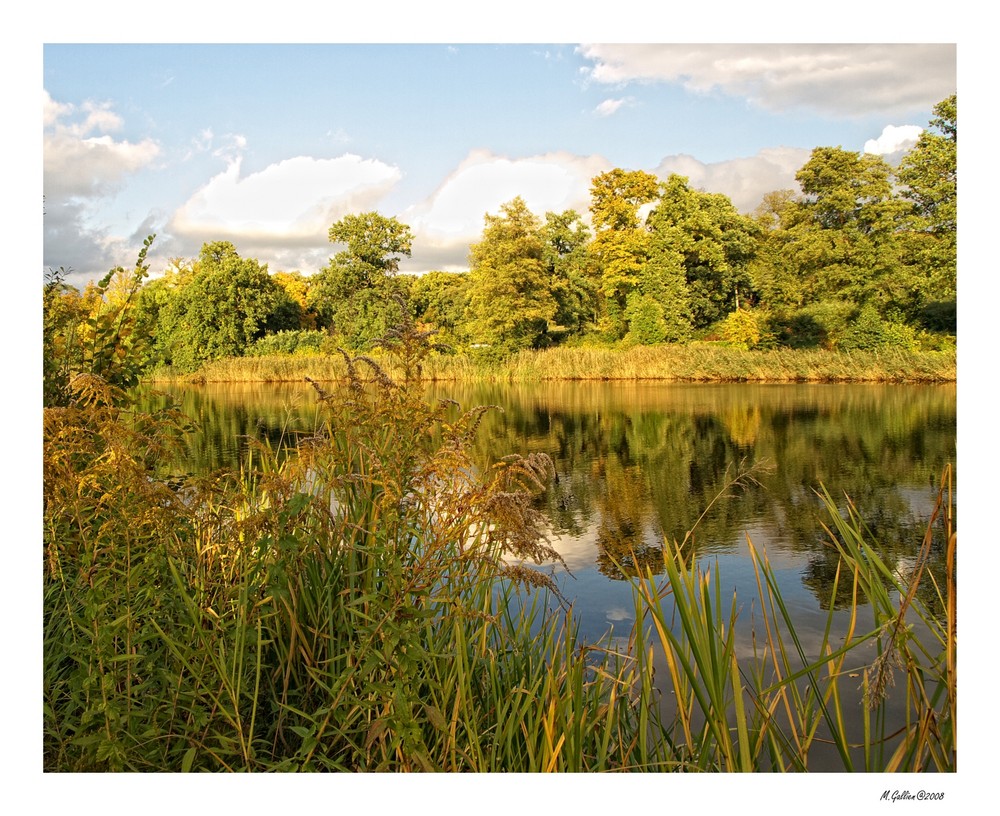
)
(267, 145)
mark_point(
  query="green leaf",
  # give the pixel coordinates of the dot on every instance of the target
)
(188, 760)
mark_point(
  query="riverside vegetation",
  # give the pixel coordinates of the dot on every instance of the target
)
(666, 281)
(369, 604)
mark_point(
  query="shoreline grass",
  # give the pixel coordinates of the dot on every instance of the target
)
(691, 363)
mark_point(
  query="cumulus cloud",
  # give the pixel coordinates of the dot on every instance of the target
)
(452, 218)
(832, 79)
(81, 158)
(288, 204)
(895, 141)
(84, 165)
(744, 180)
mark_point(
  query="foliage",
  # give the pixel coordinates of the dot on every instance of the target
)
(354, 295)
(869, 331)
(228, 303)
(510, 302)
(713, 245)
(621, 243)
(440, 300)
(744, 329)
(94, 334)
(303, 342)
(823, 324)
(645, 318)
(571, 278)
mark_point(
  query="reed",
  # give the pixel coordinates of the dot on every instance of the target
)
(681, 363)
(779, 709)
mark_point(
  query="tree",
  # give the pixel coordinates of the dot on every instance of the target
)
(354, 295)
(296, 289)
(510, 300)
(842, 236)
(929, 174)
(777, 282)
(440, 300)
(700, 247)
(225, 307)
(621, 242)
(571, 281)
(375, 244)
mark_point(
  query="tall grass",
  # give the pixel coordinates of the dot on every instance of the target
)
(677, 363)
(369, 604)
(778, 709)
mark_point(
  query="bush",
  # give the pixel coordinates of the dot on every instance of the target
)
(870, 332)
(744, 329)
(301, 342)
(820, 324)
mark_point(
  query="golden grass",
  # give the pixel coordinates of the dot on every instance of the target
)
(689, 363)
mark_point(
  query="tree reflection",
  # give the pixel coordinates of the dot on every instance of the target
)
(638, 464)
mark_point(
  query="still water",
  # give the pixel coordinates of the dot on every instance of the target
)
(640, 463)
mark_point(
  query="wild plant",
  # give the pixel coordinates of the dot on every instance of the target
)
(786, 704)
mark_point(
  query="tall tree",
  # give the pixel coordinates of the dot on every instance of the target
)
(571, 279)
(621, 241)
(440, 300)
(510, 300)
(354, 294)
(929, 173)
(843, 234)
(705, 236)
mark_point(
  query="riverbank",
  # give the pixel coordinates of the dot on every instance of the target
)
(690, 363)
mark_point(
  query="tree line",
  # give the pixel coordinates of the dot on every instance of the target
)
(863, 256)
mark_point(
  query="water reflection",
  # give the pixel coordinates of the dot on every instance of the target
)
(640, 463)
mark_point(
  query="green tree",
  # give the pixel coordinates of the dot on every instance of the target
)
(571, 281)
(929, 173)
(226, 306)
(510, 300)
(440, 300)
(844, 233)
(703, 236)
(355, 294)
(621, 241)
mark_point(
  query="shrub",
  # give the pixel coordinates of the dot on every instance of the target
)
(302, 342)
(870, 332)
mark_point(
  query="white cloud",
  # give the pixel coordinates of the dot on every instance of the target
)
(83, 166)
(77, 164)
(744, 180)
(894, 140)
(832, 79)
(288, 204)
(452, 217)
(609, 106)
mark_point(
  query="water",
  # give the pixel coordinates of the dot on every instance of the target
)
(638, 464)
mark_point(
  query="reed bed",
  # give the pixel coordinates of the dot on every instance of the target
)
(370, 605)
(689, 363)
